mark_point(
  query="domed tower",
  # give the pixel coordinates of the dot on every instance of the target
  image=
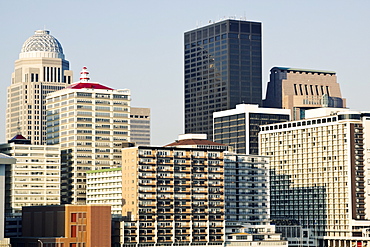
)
(40, 69)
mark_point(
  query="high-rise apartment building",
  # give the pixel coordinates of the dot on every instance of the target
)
(302, 89)
(223, 68)
(174, 194)
(40, 69)
(239, 127)
(90, 122)
(140, 125)
(319, 174)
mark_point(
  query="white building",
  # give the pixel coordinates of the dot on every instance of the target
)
(4, 161)
(105, 187)
(35, 178)
(40, 69)
(90, 122)
(319, 174)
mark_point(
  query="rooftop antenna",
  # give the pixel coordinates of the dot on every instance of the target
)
(19, 127)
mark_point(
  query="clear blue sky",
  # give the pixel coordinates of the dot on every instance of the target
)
(138, 44)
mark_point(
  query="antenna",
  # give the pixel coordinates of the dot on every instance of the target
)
(19, 127)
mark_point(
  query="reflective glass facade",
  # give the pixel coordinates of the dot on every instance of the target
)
(222, 68)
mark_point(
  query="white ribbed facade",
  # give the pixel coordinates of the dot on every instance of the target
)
(105, 187)
(34, 179)
(319, 175)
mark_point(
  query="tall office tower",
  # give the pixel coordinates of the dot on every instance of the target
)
(239, 127)
(223, 68)
(90, 121)
(40, 69)
(174, 194)
(302, 89)
(140, 125)
(65, 225)
(5, 161)
(319, 174)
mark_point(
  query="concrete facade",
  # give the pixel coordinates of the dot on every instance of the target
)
(140, 126)
(319, 175)
(301, 89)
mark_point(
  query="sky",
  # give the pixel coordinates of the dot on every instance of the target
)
(139, 44)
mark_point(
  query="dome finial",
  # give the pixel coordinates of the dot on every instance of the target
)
(84, 77)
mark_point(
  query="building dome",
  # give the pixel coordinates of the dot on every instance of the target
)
(42, 44)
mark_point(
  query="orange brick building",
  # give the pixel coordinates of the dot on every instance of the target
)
(65, 226)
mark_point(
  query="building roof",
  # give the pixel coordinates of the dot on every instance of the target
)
(193, 142)
(42, 41)
(19, 139)
(94, 85)
(304, 70)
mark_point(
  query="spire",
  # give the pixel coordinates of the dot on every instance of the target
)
(84, 75)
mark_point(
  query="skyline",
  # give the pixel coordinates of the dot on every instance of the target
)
(144, 49)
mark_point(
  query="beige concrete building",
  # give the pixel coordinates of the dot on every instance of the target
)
(40, 69)
(35, 178)
(319, 174)
(302, 89)
(140, 125)
(90, 122)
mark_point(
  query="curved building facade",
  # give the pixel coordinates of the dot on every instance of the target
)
(40, 69)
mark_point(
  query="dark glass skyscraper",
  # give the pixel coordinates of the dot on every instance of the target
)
(223, 68)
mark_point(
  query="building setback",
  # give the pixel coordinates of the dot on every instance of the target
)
(318, 174)
(223, 68)
(239, 127)
(302, 89)
(90, 122)
(40, 69)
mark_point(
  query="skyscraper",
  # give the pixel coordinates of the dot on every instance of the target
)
(90, 121)
(223, 64)
(40, 69)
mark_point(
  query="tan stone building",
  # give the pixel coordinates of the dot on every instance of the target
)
(302, 89)
(40, 69)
